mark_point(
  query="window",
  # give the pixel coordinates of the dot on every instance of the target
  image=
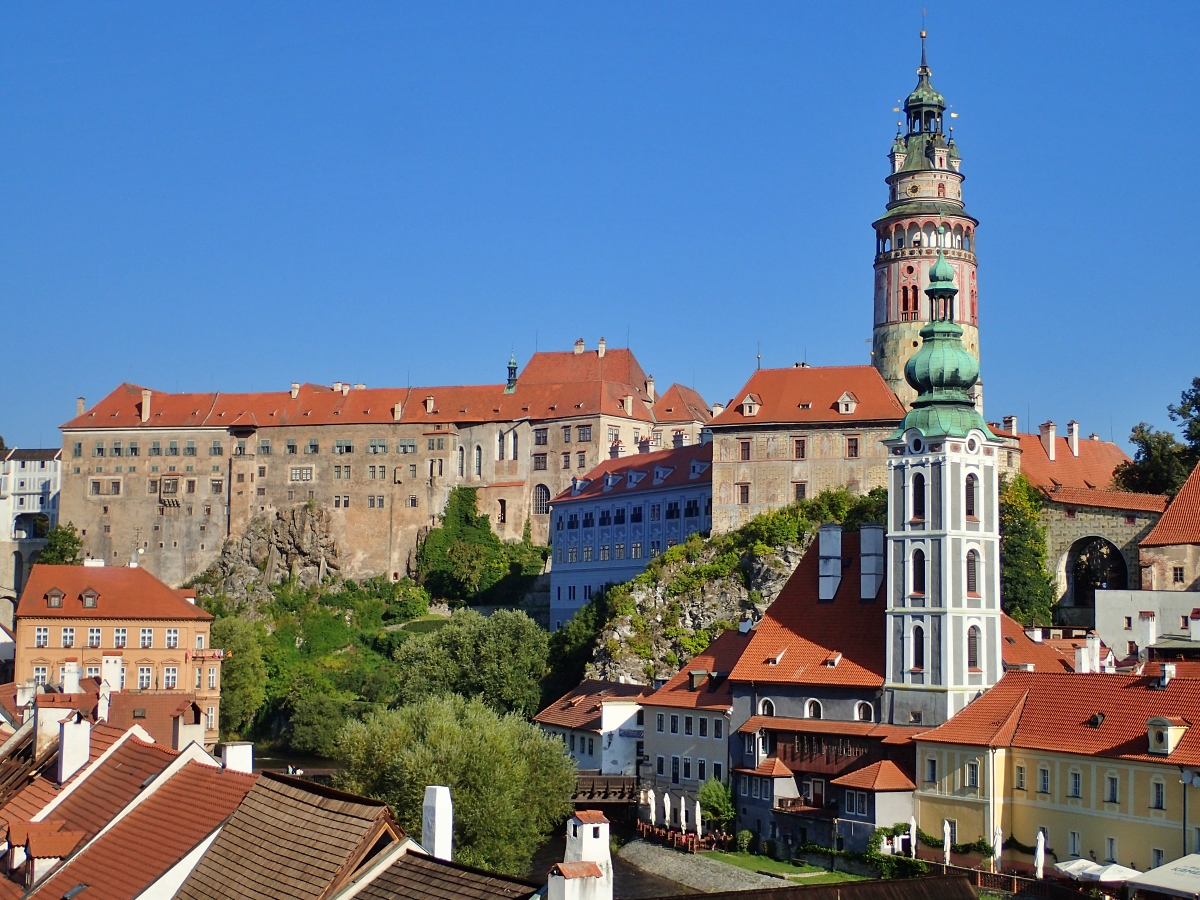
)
(170, 486)
(540, 437)
(918, 648)
(744, 450)
(1110, 849)
(172, 448)
(1128, 623)
(539, 462)
(541, 500)
(745, 786)
(618, 551)
(918, 572)
(147, 638)
(566, 430)
(212, 678)
(1177, 574)
(973, 648)
(688, 723)
(217, 485)
(1076, 785)
(674, 770)
(655, 549)
(591, 749)
(614, 435)
(144, 678)
(566, 460)
(585, 433)
(692, 509)
(972, 490)
(717, 767)
(581, 460)
(1019, 778)
(172, 638)
(673, 509)
(1043, 781)
(93, 637)
(918, 497)
(703, 727)
(197, 678)
(801, 490)
(973, 573)
(155, 448)
(120, 638)
(687, 768)
(635, 550)
(852, 448)
(210, 718)
(343, 446)
(800, 448)
(661, 766)
(572, 554)
(1112, 789)
(313, 447)
(39, 674)
(1156, 858)
(515, 441)
(603, 553)
(743, 494)
(92, 672)
(42, 636)
(1159, 795)
(1074, 843)
(718, 729)
(170, 677)
(700, 770)
(635, 514)
(674, 724)
(660, 721)
(864, 712)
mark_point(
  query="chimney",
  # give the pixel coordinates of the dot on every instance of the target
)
(185, 733)
(79, 406)
(345, 388)
(337, 386)
(1083, 659)
(1034, 634)
(437, 822)
(1010, 424)
(360, 387)
(1149, 621)
(870, 548)
(1093, 645)
(650, 387)
(1168, 672)
(110, 671)
(429, 404)
(46, 719)
(145, 405)
(1047, 430)
(1073, 437)
(103, 701)
(1194, 625)
(25, 694)
(238, 756)
(70, 681)
(295, 389)
(74, 745)
(696, 678)
(627, 403)
(600, 348)
(587, 842)
(579, 346)
(396, 410)
(829, 540)
(745, 625)
(718, 408)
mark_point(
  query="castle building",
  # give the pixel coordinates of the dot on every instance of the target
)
(30, 481)
(925, 216)
(943, 540)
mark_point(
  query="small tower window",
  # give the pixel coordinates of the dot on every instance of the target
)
(918, 572)
(918, 642)
(941, 190)
(918, 497)
(972, 573)
(478, 460)
(973, 647)
(864, 712)
(972, 491)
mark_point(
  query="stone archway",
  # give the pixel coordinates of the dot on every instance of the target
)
(1093, 562)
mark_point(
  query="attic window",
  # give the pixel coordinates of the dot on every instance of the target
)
(139, 712)
(54, 598)
(833, 659)
(89, 598)
(1096, 720)
(806, 405)
(776, 660)
(635, 477)
(847, 403)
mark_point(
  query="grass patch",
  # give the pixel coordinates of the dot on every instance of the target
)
(765, 864)
(425, 624)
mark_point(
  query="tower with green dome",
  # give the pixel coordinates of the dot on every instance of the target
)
(925, 216)
(943, 537)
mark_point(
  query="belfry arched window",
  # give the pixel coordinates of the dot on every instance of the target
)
(973, 572)
(918, 647)
(973, 647)
(972, 496)
(918, 572)
(918, 497)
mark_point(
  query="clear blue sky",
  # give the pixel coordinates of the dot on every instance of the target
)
(235, 196)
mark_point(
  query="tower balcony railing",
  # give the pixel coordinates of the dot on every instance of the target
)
(931, 252)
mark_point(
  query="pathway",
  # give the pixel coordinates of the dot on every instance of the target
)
(699, 873)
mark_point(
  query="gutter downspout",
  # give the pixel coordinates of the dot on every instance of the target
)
(992, 799)
(1184, 777)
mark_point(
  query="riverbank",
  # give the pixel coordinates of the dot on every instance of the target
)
(693, 871)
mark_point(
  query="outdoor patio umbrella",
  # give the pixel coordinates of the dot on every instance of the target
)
(997, 846)
(1112, 874)
(650, 798)
(666, 809)
(912, 837)
(698, 819)
(1076, 868)
(1039, 856)
(946, 841)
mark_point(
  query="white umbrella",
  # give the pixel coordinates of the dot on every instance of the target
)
(1078, 868)
(997, 846)
(666, 809)
(650, 798)
(1039, 856)
(946, 841)
(1112, 874)
(698, 819)
(912, 837)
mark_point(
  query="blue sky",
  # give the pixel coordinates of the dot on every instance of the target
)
(235, 196)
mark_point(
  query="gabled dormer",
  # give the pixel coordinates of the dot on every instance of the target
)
(847, 403)
(698, 468)
(1165, 733)
(90, 597)
(54, 598)
(578, 485)
(634, 477)
(662, 473)
(611, 480)
(751, 404)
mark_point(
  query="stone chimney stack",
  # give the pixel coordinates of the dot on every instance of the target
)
(600, 348)
(650, 387)
(1010, 424)
(579, 346)
(437, 822)
(79, 406)
(145, 405)
(1047, 431)
(1073, 437)
(829, 541)
(295, 389)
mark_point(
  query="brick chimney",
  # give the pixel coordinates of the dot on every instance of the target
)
(650, 387)
(80, 405)
(1010, 424)
(145, 405)
(1073, 437)
(1047, 431)
(579, 346)
(600, 348)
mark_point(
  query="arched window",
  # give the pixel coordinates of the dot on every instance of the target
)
(541, 500)
(918, 651)
(478, 460)
(813, 709)
(973, 572)
(766, 708)
(462, 459)
(864, 712)
(500, 445)
(972, 493)
(918, 572)
(918, 497)
(973, 647)
(514, 443)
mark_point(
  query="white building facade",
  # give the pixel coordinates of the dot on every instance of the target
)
(30, 482)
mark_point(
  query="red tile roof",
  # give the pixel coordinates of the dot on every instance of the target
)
(809, 395)
(124, 593)
(679, 460)
(716, 693)
(580, 709)
(799, 632)
(681, 404)
(577, 870)
(1019, 650)
(52, 845)
(771, 767)
(617, 365)
(1055, 712)
(30, 801)
(1092, 469)
(591, 817)
(889, 734)
(880, 776)
(1074, 496)
(18, 832)
(139, 849)
(1180, 524)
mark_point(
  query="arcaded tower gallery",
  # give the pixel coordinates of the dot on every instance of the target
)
(925, 214)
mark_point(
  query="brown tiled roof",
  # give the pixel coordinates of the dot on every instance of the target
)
(771, 767)
(678, 459)
(1092, 469)
(290, 838)
(154, 836)
(585, 869)
(715, 692)
(155, 712)
(52, 844)
(799, 632)
(881, 776)
(33, 798)
(32, 454)
(1180, 524)
(124, 593)
(18, 832)
(681, 404)
(414, 876)
(579, 708)
(1042, 711)
(809, 396)
(591, 817)
(1125, 500)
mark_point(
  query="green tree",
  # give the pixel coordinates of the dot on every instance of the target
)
(511, 783)
(1187, 414)
(243, 672)
(1026, 588)
(500, 659)
(1159, 465)
(716, 801)
(63, 546)
(317, 721)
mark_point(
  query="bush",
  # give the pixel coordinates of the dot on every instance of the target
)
(745, 840)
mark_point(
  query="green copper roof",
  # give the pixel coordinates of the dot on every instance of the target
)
(941, 275)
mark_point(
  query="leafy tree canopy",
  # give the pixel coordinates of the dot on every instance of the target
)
(1159, 465)
(510, 782)
(716, 802)
(1028, 591)
(243, 672)
(63, 546)
(1187, 414)
(499, 659)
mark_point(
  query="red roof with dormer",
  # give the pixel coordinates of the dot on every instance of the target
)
(809, 395)
(643, 472)
(122, 593)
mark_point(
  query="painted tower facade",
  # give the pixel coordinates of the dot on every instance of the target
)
(943, 538)
(925, 215)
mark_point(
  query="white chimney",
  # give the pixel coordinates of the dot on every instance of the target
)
(337, 386)
(600, 348)
(429, 404)
(1034, 634)
(345, 388)
(1073, 437)
(46, 721)
(1010, 424)
(103, 701)
(627, 403)
(437, 821)
(238, 756)
(25, 694)
(110, 671)
(74, 745)
(185, 733)
(718, 408)
(1047, 431)
(396, 410)
(1149, 622)
(70, 678)
(829, 541)
(145, 405)
(295, 389)
(1194, 625)
(1083, 659)
(870, 548)
(1168, 673)
(1093, 645)
(578, 346)
(360, 387)
(650, 387)
(80, 406)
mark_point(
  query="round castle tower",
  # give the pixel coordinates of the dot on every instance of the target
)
(925, 216)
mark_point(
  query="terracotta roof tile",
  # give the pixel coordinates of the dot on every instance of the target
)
(591, 817)
(124, 593)
(419, 877)
(681, 404)
(809, 395)
(880, 776)
(1180, 524)
(138, 850)
(30, 801)
(577, 870)
(679, 460)
(1075, 496)
(1043, 711)
(579, 708)
(715, 692)
(772, 767)
(1019, 650)
(1092, 469)
(52, 845)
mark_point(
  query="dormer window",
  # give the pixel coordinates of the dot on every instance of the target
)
(1165, 733)
(698, 468)
(751, 405)
(54, 598)
(847, 403)
(634, 477)
(662, 473)
(89, 598)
